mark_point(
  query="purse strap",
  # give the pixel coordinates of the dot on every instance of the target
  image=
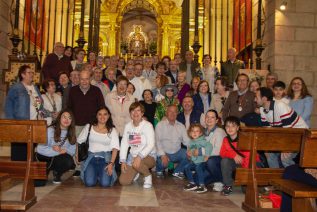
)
(87, 140)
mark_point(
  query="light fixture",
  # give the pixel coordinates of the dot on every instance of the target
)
(283, 6)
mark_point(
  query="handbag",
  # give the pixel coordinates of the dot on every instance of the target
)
(83, 148)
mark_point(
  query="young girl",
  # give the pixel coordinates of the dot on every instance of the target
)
(60, 147)
(231, 156)
(199, 143)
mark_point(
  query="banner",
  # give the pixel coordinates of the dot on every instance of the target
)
(35, 28)
(242, 24)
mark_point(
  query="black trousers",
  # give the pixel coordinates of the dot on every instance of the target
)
(60, 163)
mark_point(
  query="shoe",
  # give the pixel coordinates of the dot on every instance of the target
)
(190, 187)
(147, 182)
(227, 190)
(56, 178)
(76, 173)
(136, 177)
(269, 188)
(201, 189)
(159, 174)
(179, 175)
(218, 186)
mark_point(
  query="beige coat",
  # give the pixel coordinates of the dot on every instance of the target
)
(119, 112)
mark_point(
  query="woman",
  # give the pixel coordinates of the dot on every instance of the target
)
(194, 85)
(254, 85)
(121, 64)
(300, 99)
(170, 92)
(103, 149)
(160, 81)
(182, 85)
(60, 147)
(139, 136)
(203, 98)
(68, 51)
(149, 105)
(63, 80)
(166, 60)
(214, 135)
(79, 62)
(51, 100)
(221, 94)
(110, 79)
(131, 90)
(92, 58)
(209, 72)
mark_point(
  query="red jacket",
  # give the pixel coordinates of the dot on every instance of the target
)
(227, 152)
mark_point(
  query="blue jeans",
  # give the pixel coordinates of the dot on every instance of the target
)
(178, 157)
(199, 168)
(95, 172)
(274, 159)
(213, 170)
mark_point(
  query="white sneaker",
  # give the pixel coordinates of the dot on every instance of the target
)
(218, 186)
(147, 182)
(136, 177)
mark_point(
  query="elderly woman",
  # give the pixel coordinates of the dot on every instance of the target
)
(203, 98)
(220, 96)
(182, 85)
(170, 92)
(52, 101)
(139, 136)
(209, 72)
(103, 148)
(161, 81)
(149, 105)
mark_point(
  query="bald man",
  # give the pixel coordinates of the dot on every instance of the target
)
(230, 68)
(189, 66)
(56, 62)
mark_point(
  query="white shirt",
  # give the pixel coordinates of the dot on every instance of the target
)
(35, 101)
(49, 102)
(99, 142)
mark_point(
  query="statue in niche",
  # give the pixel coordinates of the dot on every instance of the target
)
(137, 40)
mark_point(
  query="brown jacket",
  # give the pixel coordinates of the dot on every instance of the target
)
(119, 112)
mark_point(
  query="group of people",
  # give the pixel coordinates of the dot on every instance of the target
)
(148, 114)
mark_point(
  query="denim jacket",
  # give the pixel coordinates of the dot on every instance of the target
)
(17, 105)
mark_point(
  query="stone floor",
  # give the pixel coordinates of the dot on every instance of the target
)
(167, 195)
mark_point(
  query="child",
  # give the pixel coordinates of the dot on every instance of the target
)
(279, 92)
(199, 143)
(231, 156)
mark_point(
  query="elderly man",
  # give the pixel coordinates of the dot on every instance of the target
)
(136, 81)
(271, 79)
(189, 66)
(84, 100)
(138, 70)
(172, 71)
(189, 115)
(170, 135)
(148, 73)
(240, 102)
(230, 68)
(56, 62)
(74, 80)
(96, 81)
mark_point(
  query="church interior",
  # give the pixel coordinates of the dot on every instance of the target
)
(273, 36)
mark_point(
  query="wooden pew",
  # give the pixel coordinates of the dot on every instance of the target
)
(264, 139)
(302, 194)
(29, 132)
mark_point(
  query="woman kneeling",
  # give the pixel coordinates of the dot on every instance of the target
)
(139, 136)
(103, 149)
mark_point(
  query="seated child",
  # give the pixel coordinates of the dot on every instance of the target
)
(197, 143)
(280, 92)
(231, 156)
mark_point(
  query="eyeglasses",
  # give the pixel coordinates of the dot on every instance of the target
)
(169, 89)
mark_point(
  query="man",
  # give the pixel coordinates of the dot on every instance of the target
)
(84, 100)
(96, 81)
(74, 80)
(136, 81)
(230, 68)
(178, 58)
(240, 102)
(170, 135)
(23, 101)
(138, 69)
(172, 72)
(190, 67)
(190, 116)
(148, 73)
(271, 79)
(56, 62)
(277, 114)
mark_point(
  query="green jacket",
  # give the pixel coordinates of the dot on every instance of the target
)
(231, 70)
(200, 143)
